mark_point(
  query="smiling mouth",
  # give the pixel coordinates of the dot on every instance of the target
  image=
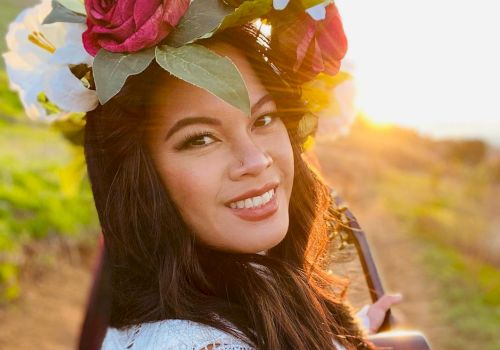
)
(254, 202)
(256, 208)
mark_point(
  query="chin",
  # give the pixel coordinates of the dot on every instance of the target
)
(269, 242)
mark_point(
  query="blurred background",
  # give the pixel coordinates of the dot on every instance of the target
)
(419, 166)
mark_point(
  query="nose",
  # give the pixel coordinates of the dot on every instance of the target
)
(249, 159)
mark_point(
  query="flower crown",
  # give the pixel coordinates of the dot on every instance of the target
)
(67, 56)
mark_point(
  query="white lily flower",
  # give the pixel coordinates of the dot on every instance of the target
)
(39, 60)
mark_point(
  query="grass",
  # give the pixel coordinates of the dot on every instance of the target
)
(10, 106)
(36, 202)
(443, 211)
(469, 298)
(439, 206)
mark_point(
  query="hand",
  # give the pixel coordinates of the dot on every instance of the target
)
(376, 311)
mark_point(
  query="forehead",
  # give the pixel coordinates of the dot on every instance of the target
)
(175, 98)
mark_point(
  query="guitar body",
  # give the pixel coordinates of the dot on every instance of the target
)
(400, 340)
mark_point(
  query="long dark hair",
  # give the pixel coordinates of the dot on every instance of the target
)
(281, 300)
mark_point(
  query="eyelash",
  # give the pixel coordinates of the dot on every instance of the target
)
(185, 144)
(192, 137)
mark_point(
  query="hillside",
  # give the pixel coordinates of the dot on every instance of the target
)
(430, 211)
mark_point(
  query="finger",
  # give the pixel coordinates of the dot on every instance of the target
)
(386, 301)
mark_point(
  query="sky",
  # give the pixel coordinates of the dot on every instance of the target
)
(433, 65)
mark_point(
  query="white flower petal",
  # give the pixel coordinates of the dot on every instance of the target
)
(29, 99)
(280, 4)
(71, 54)
(74, 43)
(17, 41)
(339, 122)
(17, 70)
(318, 12)
(68, 93)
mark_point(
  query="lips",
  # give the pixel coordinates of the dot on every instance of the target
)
(253, 202)
(252, 193)
(256, 204)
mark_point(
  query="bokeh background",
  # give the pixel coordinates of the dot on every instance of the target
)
(419, 167)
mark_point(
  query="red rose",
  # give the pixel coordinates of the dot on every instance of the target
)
(130, 25)
(311, 47)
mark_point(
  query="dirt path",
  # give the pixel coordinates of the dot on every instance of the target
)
(49, 313)
(398, 258)
(396, 253)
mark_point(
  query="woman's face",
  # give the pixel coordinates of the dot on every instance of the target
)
(230, 175)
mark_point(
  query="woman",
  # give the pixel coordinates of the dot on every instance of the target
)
(212, 216)
(214, 224)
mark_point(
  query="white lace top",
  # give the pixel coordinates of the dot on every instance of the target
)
(172, 335)
(181, 335)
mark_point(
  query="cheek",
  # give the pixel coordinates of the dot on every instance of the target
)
(282, 154)
(192, 185)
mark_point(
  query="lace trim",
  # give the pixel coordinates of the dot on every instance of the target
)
(224, 344)
(172, 335)
(136, 330)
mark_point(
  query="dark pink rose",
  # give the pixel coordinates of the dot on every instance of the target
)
(311, 47)
(130, 25)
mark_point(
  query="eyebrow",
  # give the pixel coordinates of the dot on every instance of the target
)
(262, 101)
(212, 121)
(189, 121)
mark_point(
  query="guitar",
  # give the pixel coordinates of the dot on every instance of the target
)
(386, 337)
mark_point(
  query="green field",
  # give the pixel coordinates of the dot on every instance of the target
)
(43, 191)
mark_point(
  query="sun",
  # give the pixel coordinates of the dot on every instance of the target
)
(374, 122)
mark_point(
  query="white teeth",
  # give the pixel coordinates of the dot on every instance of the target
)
(257, 201)
(267, 197)
(253, 202)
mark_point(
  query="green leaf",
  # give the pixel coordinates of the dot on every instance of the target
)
(202, 18)
(76, 6)
(111, 70)
(204, 68)
(60, 13)
(246, 12)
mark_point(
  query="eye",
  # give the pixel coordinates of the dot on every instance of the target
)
(197, 140)
(264, 120)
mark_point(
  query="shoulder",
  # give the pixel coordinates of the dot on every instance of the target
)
(171, 335)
